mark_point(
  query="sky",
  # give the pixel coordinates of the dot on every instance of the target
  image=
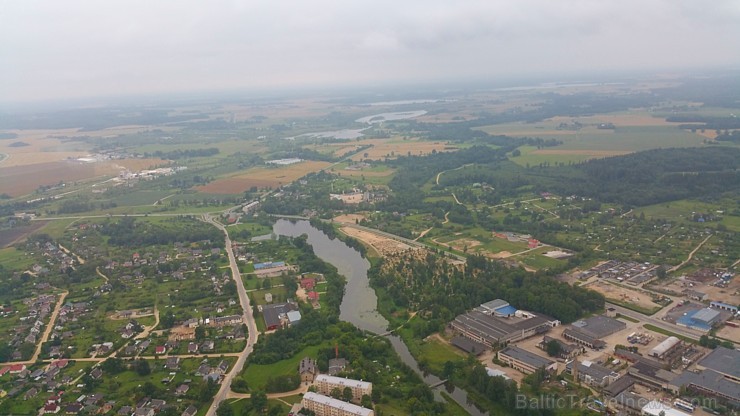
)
(62, 49)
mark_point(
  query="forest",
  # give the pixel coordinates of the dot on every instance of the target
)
(442, 291)
(130, 233)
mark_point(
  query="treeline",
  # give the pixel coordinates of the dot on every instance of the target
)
(331, 232)
(729, 136)
(707, 122)
(646, 178)
(184, 154)
(127, 232)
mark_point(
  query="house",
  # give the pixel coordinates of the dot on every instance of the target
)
(192, 348)
(181, 390)
(313, 296)
(125, 411)
(308, 283)
(96, 373)
(307, 370)
(16, 368)
(337, 365)
(52, 408)
(190, 411)
(172, 363)
(74, 408)
(157, 404)
(144, 411)
(160, 349)
(207, 345)
(223, 367)
(525, 361)
(30, 394)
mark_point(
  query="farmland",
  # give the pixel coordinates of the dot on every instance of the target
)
(262, 177)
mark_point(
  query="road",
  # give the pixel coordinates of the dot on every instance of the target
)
(47, 330)
(248, 318)
(691, 255)
(656, 322)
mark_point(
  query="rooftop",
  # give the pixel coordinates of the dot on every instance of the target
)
(599, 326)
(526, 357)
(656, 408)
(337, 404)
(347, 382)
(706, 315)
(709, 380)
(723, 360)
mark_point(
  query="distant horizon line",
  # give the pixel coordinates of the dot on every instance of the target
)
(381, 91)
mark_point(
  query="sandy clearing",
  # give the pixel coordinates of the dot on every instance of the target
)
(383, 245)
(623, 294)
(350, 218)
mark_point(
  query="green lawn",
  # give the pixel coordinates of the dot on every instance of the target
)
(256, 375)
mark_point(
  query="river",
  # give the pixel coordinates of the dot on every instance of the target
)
(359, 305)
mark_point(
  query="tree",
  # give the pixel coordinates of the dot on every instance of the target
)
(224, 410)
(553, 348)
(149, 389)
(259, 401)
(347, 394)
(366, 402)
(141, 367)
(200, 333)
(336, 393)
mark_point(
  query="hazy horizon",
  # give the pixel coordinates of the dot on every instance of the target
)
(77, 49)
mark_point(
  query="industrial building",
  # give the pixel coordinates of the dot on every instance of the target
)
(665, 348)
(656, 408)
(700, 319)
(525, 361)
(498, 323)
(588, 332)
(327, 406)
(591, 373)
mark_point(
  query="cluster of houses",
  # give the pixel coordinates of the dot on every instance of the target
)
(30, 328)
(55, 256)
(28, 384)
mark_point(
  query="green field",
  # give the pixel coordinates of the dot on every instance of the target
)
(256, 375)
(14, 259)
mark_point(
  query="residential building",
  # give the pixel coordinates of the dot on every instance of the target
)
(325, 384)
(276, 315)
(525, 361)
(327, 406)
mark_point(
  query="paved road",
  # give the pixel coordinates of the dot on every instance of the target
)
(656, 322)
(248, 318)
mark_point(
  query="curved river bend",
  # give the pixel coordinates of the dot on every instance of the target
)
(359, 305)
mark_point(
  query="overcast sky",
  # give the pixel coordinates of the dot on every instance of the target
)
(73, 48)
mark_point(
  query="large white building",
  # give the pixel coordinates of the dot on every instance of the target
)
(328, 406)
(325, 384)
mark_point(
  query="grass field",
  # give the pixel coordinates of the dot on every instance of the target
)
(256, 375)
